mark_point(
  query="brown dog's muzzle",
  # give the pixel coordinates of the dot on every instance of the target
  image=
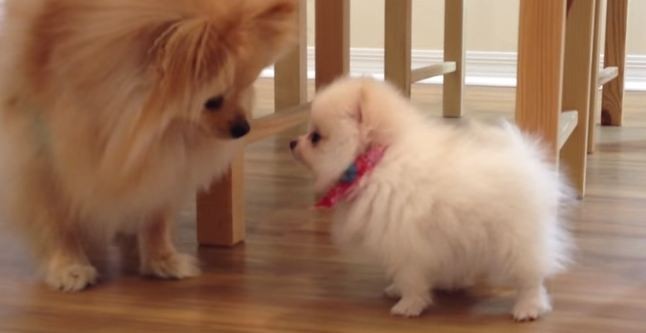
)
(239, 128)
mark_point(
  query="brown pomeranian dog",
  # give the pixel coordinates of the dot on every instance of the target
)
(114, 112)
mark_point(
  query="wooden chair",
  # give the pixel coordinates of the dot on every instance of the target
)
(555, 73)
(398, 50)
(220, 210)
(611, 77)
(554, 61)
(554, 70)
(558, 70)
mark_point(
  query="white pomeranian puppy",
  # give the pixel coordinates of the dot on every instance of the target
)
(440, 206)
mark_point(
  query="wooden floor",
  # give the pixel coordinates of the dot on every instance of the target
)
(289, 278)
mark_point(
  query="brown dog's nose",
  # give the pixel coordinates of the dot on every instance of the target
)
(293, 144)
(240, 129)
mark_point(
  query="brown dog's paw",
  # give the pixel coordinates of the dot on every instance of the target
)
(72, 277)
(174, 266)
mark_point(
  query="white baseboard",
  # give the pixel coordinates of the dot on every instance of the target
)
(483, 68)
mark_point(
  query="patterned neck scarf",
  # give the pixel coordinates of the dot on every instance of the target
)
(365, 163)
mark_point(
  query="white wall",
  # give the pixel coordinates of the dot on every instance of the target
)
(491, 31)
(490, 25)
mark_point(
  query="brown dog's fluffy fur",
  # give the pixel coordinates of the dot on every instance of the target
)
(105, 125)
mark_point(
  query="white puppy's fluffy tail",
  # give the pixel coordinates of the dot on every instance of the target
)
(560, 196)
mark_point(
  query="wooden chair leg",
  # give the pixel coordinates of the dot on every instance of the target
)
(540, 68)
(454, 50)
(397, 44)
(332, 40)
(576, 88)
(597, 40)
(615, 55)
(290, 79)
(220, 210)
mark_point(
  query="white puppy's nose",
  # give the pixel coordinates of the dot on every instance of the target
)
(293, 144)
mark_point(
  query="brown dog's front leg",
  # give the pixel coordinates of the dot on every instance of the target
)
(159, 258)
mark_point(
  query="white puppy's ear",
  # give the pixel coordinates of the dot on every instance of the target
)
(357, 110)
(362, 117)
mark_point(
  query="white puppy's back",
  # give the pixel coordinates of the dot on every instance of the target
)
(479, 188)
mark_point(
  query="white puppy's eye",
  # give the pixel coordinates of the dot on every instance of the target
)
(315, 137)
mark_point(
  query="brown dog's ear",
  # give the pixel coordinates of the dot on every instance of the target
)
(271, 29)
(274, 22)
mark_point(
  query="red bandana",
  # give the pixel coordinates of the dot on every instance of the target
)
(351, 177)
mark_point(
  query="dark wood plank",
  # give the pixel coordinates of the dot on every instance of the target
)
(615, 55)
(540, 68)
(333, 37)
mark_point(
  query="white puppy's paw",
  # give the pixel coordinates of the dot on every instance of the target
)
(173, 266)
(531, 307)
(392, 291)
(411, 306)
(72, 277)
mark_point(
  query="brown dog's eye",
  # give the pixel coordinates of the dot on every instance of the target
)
(315, 137)
(214, 104)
